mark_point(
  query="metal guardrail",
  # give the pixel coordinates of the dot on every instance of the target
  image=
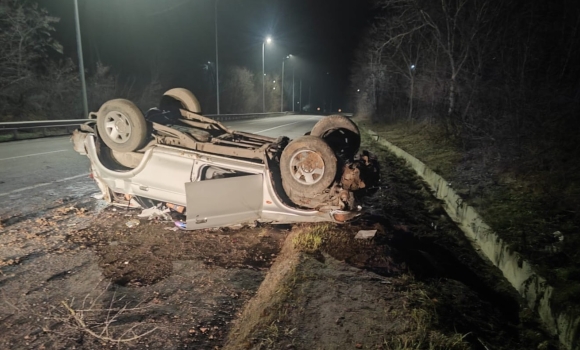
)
(228, 117)
(41, 124)
(39, 127)
(10, 131)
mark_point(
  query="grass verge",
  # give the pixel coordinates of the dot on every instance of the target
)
(535, 211)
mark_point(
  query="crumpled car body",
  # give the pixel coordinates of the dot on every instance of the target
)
(219, 177)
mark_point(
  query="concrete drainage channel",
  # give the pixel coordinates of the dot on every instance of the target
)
(519, 272)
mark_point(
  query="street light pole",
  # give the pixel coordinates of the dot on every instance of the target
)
(263, 79)
(282, 89)
(217, 69)
(268, 40)
(81, 64)
(300, 95)
(282, 93)
(293, 89)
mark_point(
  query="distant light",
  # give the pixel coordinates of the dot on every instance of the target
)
(268, 40)
(264, 74)
(274, 82)
(318, 108)
(208, 62)
(290, 55)
(340, 110)
(412, 66)
(298, 102)
(357, 90)
(274, 88)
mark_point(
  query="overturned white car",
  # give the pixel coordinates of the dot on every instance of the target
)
(220, 177)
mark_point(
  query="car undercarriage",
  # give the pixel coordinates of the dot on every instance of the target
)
(174, 156)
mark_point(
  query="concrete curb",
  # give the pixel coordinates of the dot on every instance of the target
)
(519, 272)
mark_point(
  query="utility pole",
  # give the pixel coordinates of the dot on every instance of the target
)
(300, 96)
(217, 67)
(268, 40)
(282, 90)
(293, 89)
(263, 80)
(309, 95)
(81, 64)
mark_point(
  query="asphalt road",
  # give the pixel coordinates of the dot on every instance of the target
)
(292, 126)
(36, 174)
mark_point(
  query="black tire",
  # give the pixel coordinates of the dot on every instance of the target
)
(121, 125)
(340, 133)
(308, 167)
(180, 98)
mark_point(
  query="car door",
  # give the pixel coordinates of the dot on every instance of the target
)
(164, 176)
(222, 202)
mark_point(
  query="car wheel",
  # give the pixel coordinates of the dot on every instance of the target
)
(185, 99)
(121, 125)
(340, 133)
(308, 167)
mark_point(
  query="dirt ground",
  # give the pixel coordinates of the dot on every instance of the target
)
(77, 277)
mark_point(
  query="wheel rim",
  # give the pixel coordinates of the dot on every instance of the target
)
(307, 167)
(117, 127)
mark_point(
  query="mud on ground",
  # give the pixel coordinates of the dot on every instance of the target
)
(76, 276)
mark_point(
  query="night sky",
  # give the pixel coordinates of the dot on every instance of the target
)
(177, 38)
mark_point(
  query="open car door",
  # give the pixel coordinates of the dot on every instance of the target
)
(222, 202)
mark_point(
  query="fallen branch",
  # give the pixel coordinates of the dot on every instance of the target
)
(85, 328)
(9, 303)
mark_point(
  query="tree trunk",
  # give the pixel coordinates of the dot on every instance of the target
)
(411, 97)
(451, 98)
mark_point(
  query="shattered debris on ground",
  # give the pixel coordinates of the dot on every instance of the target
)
(365, 234)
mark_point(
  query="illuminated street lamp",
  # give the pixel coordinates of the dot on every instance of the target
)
(268, 40)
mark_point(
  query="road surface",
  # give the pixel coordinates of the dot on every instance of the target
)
(292, 126)
(40, 173)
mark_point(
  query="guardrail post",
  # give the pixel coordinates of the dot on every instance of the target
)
(43, 132)
(15, 133)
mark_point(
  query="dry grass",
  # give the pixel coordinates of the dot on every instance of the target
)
(309, 238)
(422, 336)
(423, 140)
(422, 332)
